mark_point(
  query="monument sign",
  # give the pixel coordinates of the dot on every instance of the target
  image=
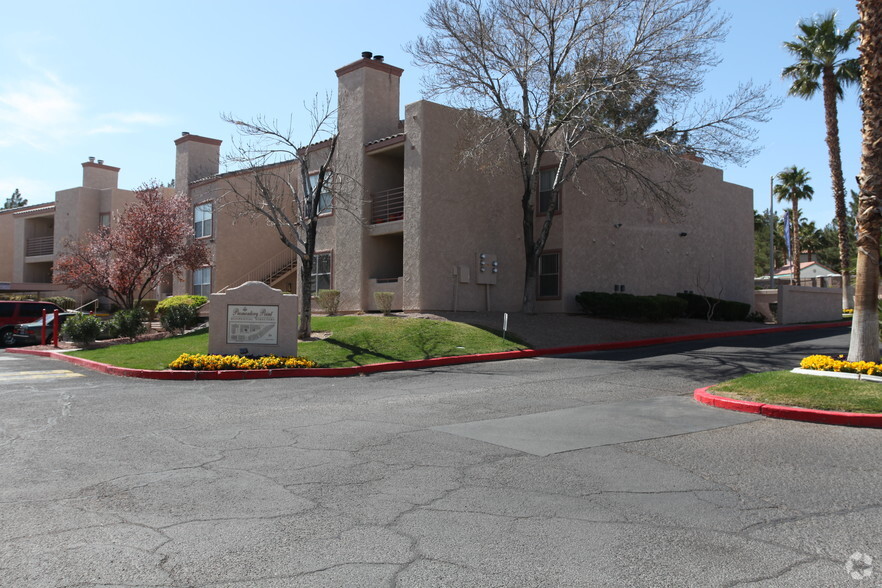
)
(253, 319)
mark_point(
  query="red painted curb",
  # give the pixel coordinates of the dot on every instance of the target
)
(406, 365)
(793, 413)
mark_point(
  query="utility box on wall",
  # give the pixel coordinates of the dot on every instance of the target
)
(488, 268)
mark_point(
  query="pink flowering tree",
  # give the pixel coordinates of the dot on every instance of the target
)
(151, 239)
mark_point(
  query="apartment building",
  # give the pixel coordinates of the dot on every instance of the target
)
(444, 235)
(417, 221)
(32, 236)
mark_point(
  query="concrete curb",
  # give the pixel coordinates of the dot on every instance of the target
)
(827, 417)
(404, 365)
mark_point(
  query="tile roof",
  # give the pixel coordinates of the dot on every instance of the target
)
(384, 139)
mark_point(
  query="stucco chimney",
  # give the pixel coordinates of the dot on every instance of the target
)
(196, 158)
(368, 95)
(100, 176)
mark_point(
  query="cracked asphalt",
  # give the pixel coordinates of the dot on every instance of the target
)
(107, 481)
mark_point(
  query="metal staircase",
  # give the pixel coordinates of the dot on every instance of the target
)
(269, 272)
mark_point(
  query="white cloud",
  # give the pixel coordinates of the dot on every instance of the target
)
(43, 111)
(37, 113)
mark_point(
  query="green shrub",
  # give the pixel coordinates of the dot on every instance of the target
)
(149, 304)
(178, 318)
(673, 306)
(185, 299)
(82, 329)
(714, 309)
(65, 302)
(629, 306)
(130, 323)
(384, 301)
(329, 300)
(108, 330)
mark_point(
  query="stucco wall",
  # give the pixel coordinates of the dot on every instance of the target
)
(705, 246)
(7, 245)
(800, 304)
(454, 212)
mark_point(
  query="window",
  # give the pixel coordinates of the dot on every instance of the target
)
(202, 220)
(325, 198)
(104, 219)
(202, 281)
(549, 275)
(321, 272)
(546, 181)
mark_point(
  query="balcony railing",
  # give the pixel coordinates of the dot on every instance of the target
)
(40, 246)
(387, 206)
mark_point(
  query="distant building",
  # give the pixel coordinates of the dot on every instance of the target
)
(31, 237)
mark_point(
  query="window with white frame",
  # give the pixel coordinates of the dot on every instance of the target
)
(325, 198)
(202, 281)
(202, 220)
(549, 275)
(321, 272)
(104, 219)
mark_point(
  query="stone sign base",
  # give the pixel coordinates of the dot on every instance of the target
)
(253, 319)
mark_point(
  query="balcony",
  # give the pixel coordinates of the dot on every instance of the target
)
(387, 212)
(36, 246)
(387, 206)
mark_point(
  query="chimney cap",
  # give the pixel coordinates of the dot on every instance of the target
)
(185, 133)
(100, 162)
(366, 54)
(378, 58)
(91, 159)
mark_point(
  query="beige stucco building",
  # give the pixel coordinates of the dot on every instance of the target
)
(417, 222)
(32, 236)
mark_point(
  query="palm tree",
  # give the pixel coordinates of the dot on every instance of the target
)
(810, 236)
(864, 344)
(793, 186)
(819, 53)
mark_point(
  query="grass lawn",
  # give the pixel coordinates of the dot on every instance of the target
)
(817, 392)
(354, 340)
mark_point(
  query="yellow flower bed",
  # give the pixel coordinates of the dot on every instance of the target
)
(825, 363)
(201, 361)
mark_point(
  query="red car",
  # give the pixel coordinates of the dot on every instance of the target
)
(15, 312)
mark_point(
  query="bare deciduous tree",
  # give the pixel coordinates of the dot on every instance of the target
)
(557, 77)
(276, 184)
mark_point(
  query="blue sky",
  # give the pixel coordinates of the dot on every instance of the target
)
(121, 80)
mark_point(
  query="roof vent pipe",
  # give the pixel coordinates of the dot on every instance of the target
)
(366, 54)
(91, 159)
(378, 58)
(184, 133)
(100, 162)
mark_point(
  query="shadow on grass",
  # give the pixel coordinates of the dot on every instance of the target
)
(425, 336)
(357, 354)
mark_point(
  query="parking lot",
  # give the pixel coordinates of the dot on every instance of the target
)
(585, 470)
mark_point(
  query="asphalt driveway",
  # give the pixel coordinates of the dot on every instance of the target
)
(440, 477)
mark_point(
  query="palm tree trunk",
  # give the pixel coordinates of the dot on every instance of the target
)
(835, 155)
(864, 344)
(794, 242)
